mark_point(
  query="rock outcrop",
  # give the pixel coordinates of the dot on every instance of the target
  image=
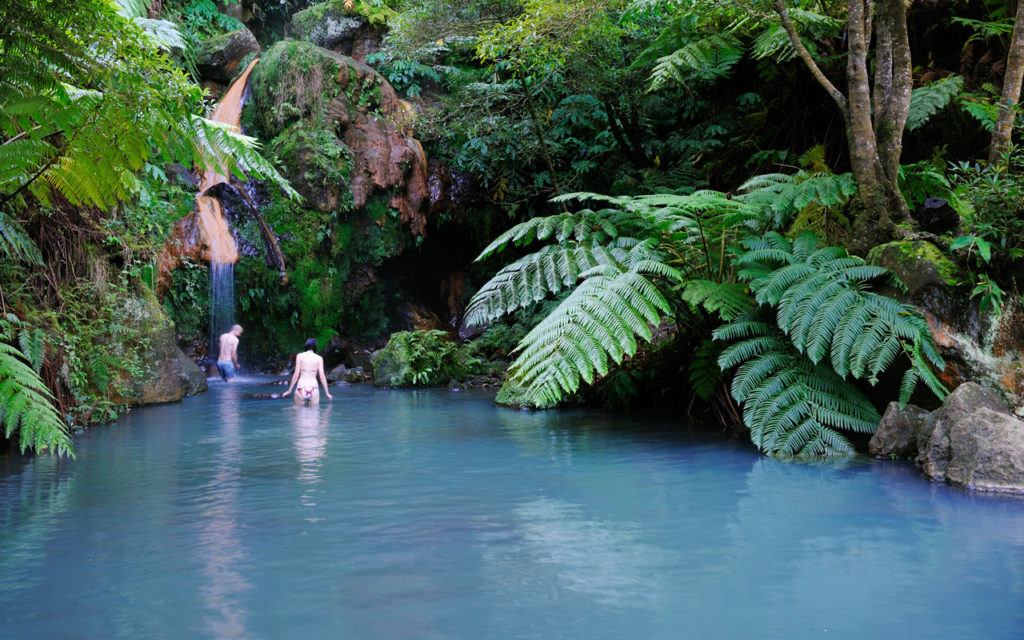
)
(987, 348)
(972, 440)
(341, 129)
(172, 376)
(334, 26)
(220, 58)
(898, 431)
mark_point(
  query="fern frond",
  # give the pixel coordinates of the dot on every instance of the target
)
(27, 407)
(928, 100)
(598, 322)
(727, 300)
(791, 406)
(707, 58)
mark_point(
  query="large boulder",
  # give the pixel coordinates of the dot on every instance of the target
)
(171, 375)
(392, 366)
(898, 432)
(348, 30)
(220, 58)
(973, 441)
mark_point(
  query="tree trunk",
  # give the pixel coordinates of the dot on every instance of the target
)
(617, 127)
(1003, 131)
(874, 135)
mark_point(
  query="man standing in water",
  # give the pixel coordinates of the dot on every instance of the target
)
(227, 361)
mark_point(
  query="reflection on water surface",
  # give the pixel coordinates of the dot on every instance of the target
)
(427, 514)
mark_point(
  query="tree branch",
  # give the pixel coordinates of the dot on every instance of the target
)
(805, 55)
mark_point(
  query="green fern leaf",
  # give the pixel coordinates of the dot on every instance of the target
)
(27, 407)
(928, 100)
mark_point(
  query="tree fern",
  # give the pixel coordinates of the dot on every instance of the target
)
(786, 196)
(726, 300)
(597, 323)
(828, 326)
(619, 264)
(773, 42)
(928, 100)
(792, 406)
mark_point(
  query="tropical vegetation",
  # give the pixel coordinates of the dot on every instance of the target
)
(670, 200)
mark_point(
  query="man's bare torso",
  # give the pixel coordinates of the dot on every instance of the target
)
(228, 347)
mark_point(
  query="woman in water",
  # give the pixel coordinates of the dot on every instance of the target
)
(308, 367)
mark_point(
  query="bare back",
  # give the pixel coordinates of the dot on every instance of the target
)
(308, 364)
(228, 347)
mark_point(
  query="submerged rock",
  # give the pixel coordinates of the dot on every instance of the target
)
(341, 373)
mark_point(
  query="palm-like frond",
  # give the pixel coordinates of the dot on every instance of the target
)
(532, 278)
(828, 326)
(27, 407)
(928, 100)
(792, 406)
(598, 323)
(728, 300)
(707, 58)
(774, 42)
(91, 110)
(786, 195)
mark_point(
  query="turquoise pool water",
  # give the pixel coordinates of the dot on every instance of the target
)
(430, 514)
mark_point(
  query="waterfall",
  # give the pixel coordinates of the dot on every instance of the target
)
(223, 252)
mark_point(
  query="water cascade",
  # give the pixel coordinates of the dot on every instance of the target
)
(223, 252)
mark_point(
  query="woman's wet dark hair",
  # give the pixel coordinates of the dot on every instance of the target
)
(311, 345)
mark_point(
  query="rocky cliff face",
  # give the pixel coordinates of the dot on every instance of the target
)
(340, 130)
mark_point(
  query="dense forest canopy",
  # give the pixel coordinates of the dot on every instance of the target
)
(669, 199)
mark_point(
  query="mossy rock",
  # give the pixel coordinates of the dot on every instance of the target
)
(333, 26)
(920, 265)
(173, 375)
(391, 366)
(220, 58)
(299, 81)
(317, 163)
(329, 25)
(296, 81)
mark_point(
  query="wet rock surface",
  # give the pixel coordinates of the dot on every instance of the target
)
(973, 441)
(335, 99)
(987, 348)
(220, 58)
(898, 432)
(333, 26)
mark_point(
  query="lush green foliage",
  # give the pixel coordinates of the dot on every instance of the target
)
(93, 112)
(423, 358)
(792, 376)
(619, 263)
(26, 405)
